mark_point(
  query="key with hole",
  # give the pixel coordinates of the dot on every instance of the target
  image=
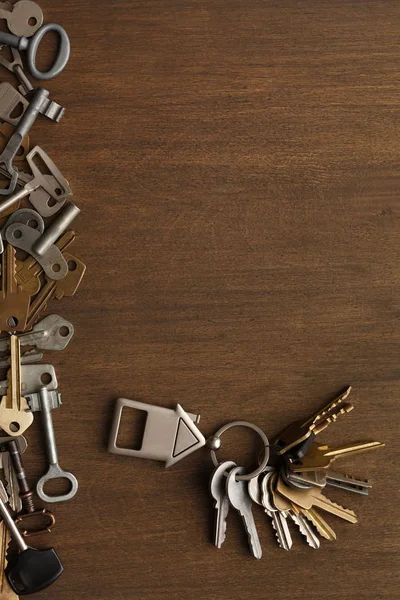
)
(14, 415)
(9, 473)
(39, 181)
(33, 377)
(302, 433)
(51, 333)
(57, 289)
(54, 471)
(26, 216)
(240, 500)
(314, 498)
(23, 17)
(219, 494)
(29, 270)
(321, 457)
(31, 570)
(14, 302)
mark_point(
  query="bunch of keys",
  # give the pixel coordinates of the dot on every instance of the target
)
(290, 490)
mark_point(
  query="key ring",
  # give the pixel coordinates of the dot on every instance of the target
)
(31, 46)
(214, 443)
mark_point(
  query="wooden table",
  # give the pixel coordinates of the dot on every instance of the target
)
(237, 165)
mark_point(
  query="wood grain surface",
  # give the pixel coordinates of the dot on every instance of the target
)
(237, 166)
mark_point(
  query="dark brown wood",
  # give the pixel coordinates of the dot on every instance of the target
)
(237, 168)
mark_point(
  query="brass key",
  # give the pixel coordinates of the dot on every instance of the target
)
(14, 415)
(6, 593)
(298, 432)
(57, 288)
(321, 457)
(29, 270)
(14, 302)
(319, 523)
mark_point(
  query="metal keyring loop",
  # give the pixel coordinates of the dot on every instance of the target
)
(62, 56)
(262, 435)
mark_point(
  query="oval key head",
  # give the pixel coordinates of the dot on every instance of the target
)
(55, 472)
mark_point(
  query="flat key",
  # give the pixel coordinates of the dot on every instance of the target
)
(304, 527)
(51, 333)
(218, 492)
(348, 483)
(14, 302)
(14, 415)
(241, 501)
(279, 522)
(300, 431)
(314, 498)
(319, 523)
(23, 18)
(320, 457)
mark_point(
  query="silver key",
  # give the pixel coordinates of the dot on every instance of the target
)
(9, 473)
(26, 359)
(348, 483)
(279, 522)
(51, 333)
(23, 18)
(241, 501)
(305, 528)
(32, 379)
(218, 492)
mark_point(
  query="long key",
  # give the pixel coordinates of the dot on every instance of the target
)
(279, 522)
(39, 181)
(32, 570)
(27, 120)
(51, 333)
(14, 302)
(314, 497)
(348, 483)
(319, 522)
(241, 501)
(321, 457)
(218, 492)
(289, 509)
(54, 470)
(14, 415)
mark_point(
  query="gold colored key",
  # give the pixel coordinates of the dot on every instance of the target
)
(321, 457)
(14, 415)
(298, 432)
(319, 523)
(57, 288)
(14, 302)
(6, 593)
(314, 497)
(29, 270)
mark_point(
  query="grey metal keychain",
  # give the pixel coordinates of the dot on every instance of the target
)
(31, 46)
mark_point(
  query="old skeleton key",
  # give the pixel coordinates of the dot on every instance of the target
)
(299, 435)
(58, 193)
(14, 415)
(31, 570)
(241, 501)
(14, 302)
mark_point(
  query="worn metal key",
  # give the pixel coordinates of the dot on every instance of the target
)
(14, 415)
(23, 17)
(14, 302)
(241, 501)
(218, 492)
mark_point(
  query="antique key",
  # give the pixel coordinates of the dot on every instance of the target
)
(14, 302)
(51, 333)
(14, 415)
(299, 435)
(23, 18)
(321, 457)
(31, 570)
(58, 193)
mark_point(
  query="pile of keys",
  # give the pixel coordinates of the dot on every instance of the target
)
(288, 483)
(36, 266)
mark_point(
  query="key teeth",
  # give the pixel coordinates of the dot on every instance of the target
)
(303, 530)
(278, 536)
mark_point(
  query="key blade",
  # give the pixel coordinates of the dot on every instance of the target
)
(281, 529)
(331, 417)
(353, 449)
(250, 526)
(3, 493)
(221, 524)
(305, 529)
(328, 407)
(321, 501)
(319, 523)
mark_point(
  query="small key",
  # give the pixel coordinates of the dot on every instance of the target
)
(14, 415)
(319, 523)
(14, 302)
(321, 457)
(279, 522)
(23, 18)
(301, 434)
(31, 570)
(241, 501)
(51, 333)
(314, 498)
(9, 473)
(218, 492)
(59, 193)
(54, 471)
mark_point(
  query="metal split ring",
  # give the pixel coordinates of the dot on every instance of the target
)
(214, 444)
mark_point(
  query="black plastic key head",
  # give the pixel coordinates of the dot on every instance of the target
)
(33, 570)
